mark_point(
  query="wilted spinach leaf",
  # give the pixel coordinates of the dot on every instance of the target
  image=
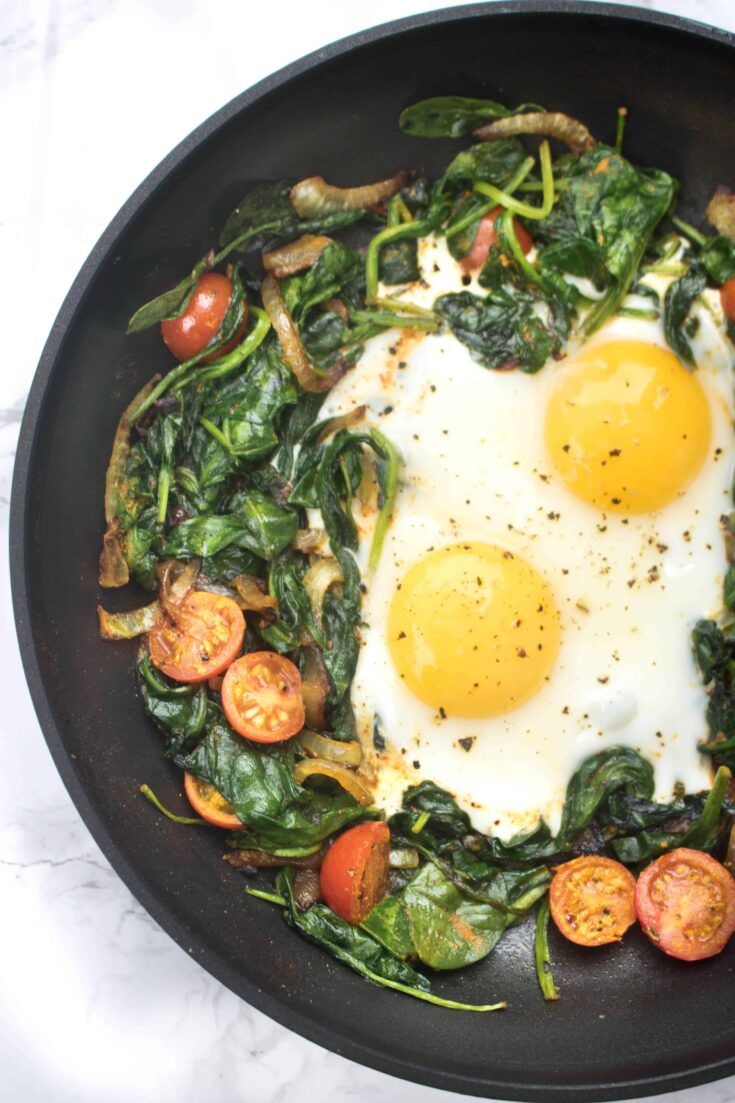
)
(258, 782)
(452, 116)
(678, 301)
(504, 330)
(598, 777)
(256, 523)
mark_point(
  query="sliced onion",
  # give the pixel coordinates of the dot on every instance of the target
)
(309, 540)
(288, 335)
(552, 124)
(313, 197)
(336, 306)
(113, 569)
(285, 260)
(348, 420)
(176, 580)
(348, 779)
(404, 858)
(320, 576)
(321, 746)
(251, 595)
(314, 687)
(721, 212)
(125, 626)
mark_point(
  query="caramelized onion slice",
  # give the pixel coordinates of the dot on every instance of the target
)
(314, 197)
(309, 540)
(288, 335)
(285, 260)
(321, 746)
(348, 779)
(113, 569)
(314, 687)
(721, 212)
(252, 597)
(550, 124)
(125, 626)
(176, 580)
(347, 420)
(320, 576)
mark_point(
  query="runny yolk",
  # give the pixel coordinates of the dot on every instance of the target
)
(473, 630)
(628, 427)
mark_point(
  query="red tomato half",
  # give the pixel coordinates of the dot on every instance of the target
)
(686, 904)
(199, 638)
(192, 331)
(354, 873)
(727, 298)
(486, 237)
(209, 803)
(261, 696)
(591, 900)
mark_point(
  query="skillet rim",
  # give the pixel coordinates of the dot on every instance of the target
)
(329, 1037)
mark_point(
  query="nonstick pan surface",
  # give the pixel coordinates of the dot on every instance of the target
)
(629, 1021)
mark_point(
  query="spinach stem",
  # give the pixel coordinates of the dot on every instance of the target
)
(429, 997)
(509, 232)
(151, 796)
(620, 132)
(541, 951)
(217, 433)
(413, 229)
(517, 205)
(485, 208)
(271, 897)
(688, 230)
(385, 319)
(390, 455)
(406, 308)
(164, 487)
(183, 374)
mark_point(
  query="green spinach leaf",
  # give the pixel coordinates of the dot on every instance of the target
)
(452, 116)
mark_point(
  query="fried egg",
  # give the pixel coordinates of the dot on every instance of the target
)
(554, 540)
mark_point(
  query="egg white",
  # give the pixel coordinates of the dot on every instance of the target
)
(628, 590)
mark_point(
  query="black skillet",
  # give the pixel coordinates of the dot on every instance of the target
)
(629, 1022)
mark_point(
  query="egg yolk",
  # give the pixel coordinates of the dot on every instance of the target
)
(628, 427)
(473, 630)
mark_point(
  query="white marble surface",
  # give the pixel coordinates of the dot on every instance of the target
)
(97, 1005)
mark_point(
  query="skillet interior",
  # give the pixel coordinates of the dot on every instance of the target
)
(629, 1022)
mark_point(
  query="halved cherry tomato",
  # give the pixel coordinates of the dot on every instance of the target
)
(261, 696)
(197, 639)
(209, 803)
(727, 298)
(354, 874)
(486, 237)
(686, 904)
(591, 900)
(188, 334)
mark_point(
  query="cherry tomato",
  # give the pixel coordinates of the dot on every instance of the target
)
(727, 298)
(591, 900)
(354, 873)
(209, 803)
(686, 904)
(261, 696)
(197, 639)
(188, 334)
(487, 237)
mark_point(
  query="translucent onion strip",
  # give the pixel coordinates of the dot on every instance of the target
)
(348, 779)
